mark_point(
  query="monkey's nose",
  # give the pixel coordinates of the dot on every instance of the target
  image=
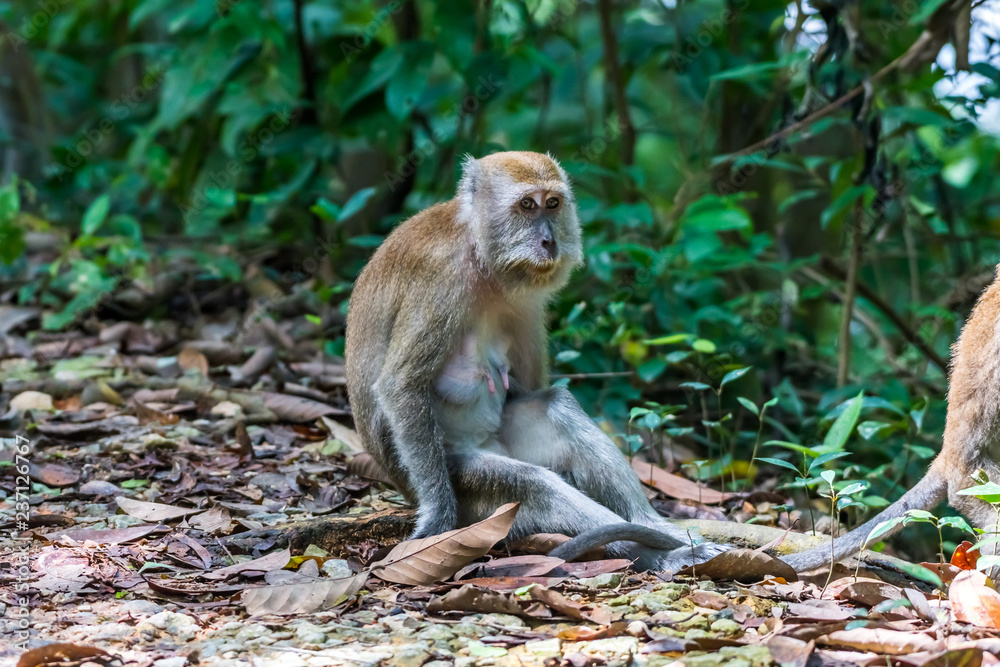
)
(549, 245)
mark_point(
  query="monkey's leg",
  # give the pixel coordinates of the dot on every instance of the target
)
(484, 480)
(550, 429)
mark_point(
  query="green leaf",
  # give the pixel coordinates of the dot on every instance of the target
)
(842, 428)
(355, 203)
(987, 562)
(779, 462)
(883, 528)
(919, 516)
(734, 375)
(957, 522)
(823, 459)
(96, 214)
(651, 369)
(703, 346)
(326, 209)
(853, 488)
(697, 386)
(410, 79)
(670, 340)
(828, 476)
(748, 404)
(990, 492)
(567, 355)
(926, 10)
(794, 447)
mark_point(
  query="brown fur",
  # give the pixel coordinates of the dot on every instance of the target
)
(971, 436)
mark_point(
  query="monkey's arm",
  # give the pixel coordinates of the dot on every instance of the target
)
(422, 336)
(928, 492)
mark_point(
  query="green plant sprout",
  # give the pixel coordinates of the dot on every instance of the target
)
(839, 501)
(831, 449)
(759, 413)
(989, 492)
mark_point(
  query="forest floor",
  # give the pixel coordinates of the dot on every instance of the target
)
(172, 499)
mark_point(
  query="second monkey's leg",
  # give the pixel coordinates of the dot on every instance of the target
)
(548, 428)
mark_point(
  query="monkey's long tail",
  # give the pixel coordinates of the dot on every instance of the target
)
(928, 492)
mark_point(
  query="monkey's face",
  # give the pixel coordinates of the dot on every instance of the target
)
(524, 216)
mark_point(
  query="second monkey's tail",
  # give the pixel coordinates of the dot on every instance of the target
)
(928, 492)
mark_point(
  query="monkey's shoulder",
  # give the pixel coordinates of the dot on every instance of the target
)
(432, 241)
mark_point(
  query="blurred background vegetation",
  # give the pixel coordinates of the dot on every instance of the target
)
(800, 189)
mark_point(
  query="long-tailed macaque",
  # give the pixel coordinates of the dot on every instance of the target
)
(971, 438)
(448, 377)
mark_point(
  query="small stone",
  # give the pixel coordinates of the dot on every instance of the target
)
(606, 580)
(337, 569)
(478, 649)
(181, 626)
(502, 620)
(707, 585)
(727, 627)
(139, 607)
(310, 634)
(672, 591)
(545, 648)
(613, 646)
(697, 633)
(638, 629)
(469, 630)
(411, 655)
(178, 661)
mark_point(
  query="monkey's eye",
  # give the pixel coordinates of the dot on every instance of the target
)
(552, 202)
(527, 203)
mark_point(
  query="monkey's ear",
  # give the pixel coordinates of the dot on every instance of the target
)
(472, 174)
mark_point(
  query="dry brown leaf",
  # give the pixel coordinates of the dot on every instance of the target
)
(743, 565)
(51, 654)
(965, 557)
(272, 561)
(550, 598)
(520, 566)
(974, 600)
(591, 568)
(585, 633)
(346, 435)
(881, 640)
(470, 598)
(709, 600)
(147, 415)
(215, 520)
(870, 593)
(54, 474)
(790, 652)
(295, 409)
(191, 359)
(140, 509)
(107, 535)
(676, 486)
(431, 559)
(511, 583)
(364, 466)
(302, 598)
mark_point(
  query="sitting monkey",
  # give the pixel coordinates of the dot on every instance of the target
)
(447, 371)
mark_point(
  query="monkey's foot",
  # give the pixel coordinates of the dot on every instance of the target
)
(673, 561)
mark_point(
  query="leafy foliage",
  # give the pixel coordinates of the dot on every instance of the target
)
(715, 276)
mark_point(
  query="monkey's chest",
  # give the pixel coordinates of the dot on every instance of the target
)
(472, 388)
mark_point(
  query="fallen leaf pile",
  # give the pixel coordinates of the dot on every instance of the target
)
(194, 501)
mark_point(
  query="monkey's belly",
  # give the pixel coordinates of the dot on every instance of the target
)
(471, 391)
